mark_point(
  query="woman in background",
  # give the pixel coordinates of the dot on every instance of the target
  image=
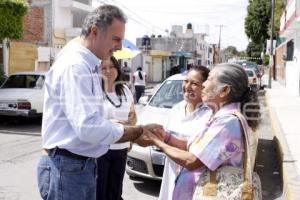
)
(186, 119)
(118, 107)
(139, 81)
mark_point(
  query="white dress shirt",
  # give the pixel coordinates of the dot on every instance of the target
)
(73, 106)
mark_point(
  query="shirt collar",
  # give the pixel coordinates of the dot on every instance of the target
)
(93, 61)
(229, 108)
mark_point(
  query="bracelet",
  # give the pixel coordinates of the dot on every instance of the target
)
(167, 138)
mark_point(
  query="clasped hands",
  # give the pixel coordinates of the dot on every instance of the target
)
(152, 135)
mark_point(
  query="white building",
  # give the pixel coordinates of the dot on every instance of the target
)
(289, 71)
(180, 48)
(49, 25)
(67, 17)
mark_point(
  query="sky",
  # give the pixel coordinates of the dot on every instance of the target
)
(157, 17)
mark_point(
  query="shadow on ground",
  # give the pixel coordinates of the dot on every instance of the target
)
(269, 169)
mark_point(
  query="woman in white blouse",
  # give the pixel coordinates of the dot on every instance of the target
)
(186, 119)
(118, 107)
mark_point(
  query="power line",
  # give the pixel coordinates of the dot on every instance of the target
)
(142, 19)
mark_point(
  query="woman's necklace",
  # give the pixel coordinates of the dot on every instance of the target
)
(113, 103)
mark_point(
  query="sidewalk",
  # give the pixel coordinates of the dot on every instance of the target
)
(284, 109)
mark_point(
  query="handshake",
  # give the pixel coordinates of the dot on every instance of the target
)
(152, 134)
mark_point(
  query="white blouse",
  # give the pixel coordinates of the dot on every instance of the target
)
(121, 113)
(182, 126)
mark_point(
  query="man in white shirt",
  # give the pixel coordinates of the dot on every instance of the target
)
(74, 131)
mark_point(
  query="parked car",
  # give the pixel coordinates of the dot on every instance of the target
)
(22, 94)
(253, 79)
(148, 162)
(251, 65)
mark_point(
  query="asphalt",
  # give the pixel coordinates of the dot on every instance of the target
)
(283, 107)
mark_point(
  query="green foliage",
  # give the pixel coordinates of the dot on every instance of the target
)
(11, 18)
(231, 51)
(279, 8)
(254, 50)
(257, 20)
(2, 75)
(265, 60)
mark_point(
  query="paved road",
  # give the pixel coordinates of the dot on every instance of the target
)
(20, 147)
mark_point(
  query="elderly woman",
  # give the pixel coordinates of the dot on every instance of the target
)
(225, 92)
(186, 119)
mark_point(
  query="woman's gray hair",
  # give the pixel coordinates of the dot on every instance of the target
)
(236, 78)
(102, 17)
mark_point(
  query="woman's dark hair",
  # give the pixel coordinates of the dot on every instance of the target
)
(119, 86)
(236, 77)
(203, 70)
(140, 73)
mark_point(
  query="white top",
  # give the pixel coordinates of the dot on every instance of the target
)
(183, 127)
(137, 80)
(73, 106)
(115, 114)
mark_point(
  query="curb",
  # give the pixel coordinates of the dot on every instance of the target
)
(291, 180)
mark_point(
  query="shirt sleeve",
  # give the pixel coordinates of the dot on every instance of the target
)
(82, 104)
(226, 144)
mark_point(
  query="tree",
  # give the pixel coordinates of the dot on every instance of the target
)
(279, 8)
(254, 50)
(11, 18)
(257, 20)
(231, 51)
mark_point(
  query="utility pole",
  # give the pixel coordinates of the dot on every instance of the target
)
(219, 45)
(271, 64)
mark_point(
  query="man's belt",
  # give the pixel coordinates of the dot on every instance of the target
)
(65, 152)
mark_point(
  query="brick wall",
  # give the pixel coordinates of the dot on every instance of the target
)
(33, 25)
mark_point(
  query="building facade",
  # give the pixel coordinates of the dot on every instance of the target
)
(48, 26)
(288, 53)
(161, 55)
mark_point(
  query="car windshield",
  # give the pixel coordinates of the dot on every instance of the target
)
(24, 81)
(169, 94)
(250, 73)
(248, 64)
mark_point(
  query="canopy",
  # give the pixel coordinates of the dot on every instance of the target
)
(129, 50)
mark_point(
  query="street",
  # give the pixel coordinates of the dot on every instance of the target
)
(20, 147)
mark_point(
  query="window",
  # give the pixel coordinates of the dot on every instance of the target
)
(169, 94)
(24, 81)
(290, 50)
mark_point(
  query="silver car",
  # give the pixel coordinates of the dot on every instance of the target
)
(148, 162)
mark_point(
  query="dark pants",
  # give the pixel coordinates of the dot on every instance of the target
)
(111, 169)
(139, 91)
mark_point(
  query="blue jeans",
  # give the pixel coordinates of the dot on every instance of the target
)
(64, 178)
